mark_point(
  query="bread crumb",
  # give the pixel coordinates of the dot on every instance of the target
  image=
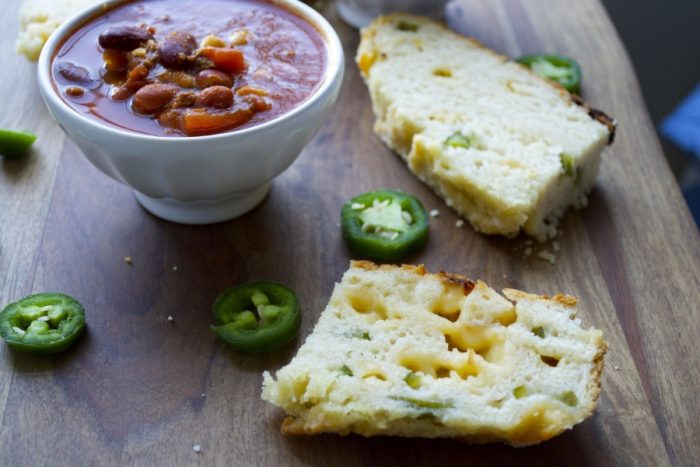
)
(459, 223)
(547, 256)
(528, 251)
(176, 269)
(434, 213)
(203, 395)
(197, 448)
(128, 260)
(170, 318)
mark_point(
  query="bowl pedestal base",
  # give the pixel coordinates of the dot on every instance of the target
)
(203, 212)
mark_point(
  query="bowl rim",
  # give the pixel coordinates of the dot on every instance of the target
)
(334, 68)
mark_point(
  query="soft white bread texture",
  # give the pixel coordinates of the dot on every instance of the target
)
(40, 18)
(532, 149)
(399, 351)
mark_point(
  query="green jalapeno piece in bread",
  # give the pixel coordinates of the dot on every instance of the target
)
(557, 68)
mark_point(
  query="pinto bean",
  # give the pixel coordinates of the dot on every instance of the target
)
(208, 78)
(123, 37)
(153, 97)
(216, 97)
(177, 50)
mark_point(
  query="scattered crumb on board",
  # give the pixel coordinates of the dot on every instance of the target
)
(544, 251)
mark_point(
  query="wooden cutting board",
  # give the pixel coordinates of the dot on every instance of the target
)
(138, 389)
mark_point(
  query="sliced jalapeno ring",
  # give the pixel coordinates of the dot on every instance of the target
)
(257, 316)
(384, 225)
(557, 68)
(45, 323)
(15, 144)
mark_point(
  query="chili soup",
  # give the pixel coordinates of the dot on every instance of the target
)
(189, 68)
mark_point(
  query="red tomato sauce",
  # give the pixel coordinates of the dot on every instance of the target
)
(190, 68)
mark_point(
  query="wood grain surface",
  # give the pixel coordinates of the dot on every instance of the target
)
(138, 389)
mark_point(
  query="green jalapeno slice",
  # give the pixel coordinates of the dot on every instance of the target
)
(15, 144)
(257, 317)
(45, 323)
(557, 68)
(384, 225)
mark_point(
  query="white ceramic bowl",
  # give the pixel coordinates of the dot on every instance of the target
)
(204, 179)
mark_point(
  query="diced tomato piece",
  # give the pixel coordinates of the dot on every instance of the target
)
(245, 90)
(198, 122)
(225, 59)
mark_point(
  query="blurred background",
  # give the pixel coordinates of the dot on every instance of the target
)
(663, 40)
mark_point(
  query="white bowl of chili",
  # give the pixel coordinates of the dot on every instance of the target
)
(184, 159)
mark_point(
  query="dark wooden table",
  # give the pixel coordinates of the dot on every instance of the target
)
(140, 389)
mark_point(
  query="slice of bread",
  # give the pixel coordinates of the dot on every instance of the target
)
(399, 351)
(522, 148)
(40, 18)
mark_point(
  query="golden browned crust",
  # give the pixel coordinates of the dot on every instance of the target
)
(564, 299)
(593, 387)
(448, 278)
(370, 266)
(457, 279)
(294, 427)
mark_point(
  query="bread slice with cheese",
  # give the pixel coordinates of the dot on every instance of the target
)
(506, 149)
(399, 351)
(40, 18)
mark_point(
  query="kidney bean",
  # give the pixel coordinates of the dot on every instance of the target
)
(153, 97)
(177, 50)
(123, 37)
(217, 97)
(76, 74)
(208, 78)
